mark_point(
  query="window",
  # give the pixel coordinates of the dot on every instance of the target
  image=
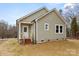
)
(57, 29)
(46, 26)
(60, 29)
(25, 29)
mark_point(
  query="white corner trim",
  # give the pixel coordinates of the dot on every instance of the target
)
(19, 31)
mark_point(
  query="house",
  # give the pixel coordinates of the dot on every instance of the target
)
(42, 25)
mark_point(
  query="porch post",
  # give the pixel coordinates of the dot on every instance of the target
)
(19, 30)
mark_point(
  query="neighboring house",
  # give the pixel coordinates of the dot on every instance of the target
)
(42, 25)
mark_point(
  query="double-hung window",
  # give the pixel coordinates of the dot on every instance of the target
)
(61, 29)
(58, 28)
(46, 26)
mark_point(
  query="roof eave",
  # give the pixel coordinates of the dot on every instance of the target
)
(31, 13)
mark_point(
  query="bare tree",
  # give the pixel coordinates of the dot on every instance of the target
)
(71, 11)
(3, 28)
(12, 31)
(7, 31)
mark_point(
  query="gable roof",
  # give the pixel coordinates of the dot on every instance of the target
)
(56, 12)
(32, 13)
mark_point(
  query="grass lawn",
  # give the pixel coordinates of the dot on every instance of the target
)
(54, 48)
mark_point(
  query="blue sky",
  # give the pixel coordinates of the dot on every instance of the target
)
(11, 12)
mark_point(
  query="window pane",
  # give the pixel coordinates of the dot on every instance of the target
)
(25, 29)
(46, 26)
(57, 29)
(60, 29)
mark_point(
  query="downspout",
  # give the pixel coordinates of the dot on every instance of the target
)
(35, 41)
(35, 32)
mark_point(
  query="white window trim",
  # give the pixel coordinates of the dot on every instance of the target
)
(45, 26)
(59, 28)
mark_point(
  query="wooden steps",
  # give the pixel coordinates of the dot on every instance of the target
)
(25, 41)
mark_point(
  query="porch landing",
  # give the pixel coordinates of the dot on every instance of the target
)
(25, 41)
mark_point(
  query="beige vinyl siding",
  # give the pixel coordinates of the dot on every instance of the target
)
(34, 16)
(51, 19)
(29, 19)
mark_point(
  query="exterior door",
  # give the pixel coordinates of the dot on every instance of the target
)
(25, 32)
